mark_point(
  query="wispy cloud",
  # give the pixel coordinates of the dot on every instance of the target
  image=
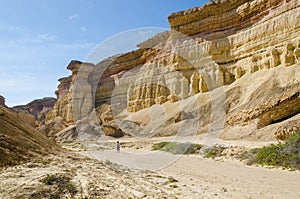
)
(38, 39)
(72, 17)
(46, 37)
(11, 28)
(83, 29)
(31, 70)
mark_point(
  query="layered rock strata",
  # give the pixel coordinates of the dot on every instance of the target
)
(38, 108)
(220, 45)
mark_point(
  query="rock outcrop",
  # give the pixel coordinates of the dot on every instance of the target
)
(36, 107)
(250, 49)
(35, 111)
(63, 107)
(2, 101)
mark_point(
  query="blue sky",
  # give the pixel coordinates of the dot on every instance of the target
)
(38, 38)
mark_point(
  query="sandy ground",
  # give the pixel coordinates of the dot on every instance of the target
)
(137, 172)
(220, 178)
(91, 178)
(207, 177)
(229, 179)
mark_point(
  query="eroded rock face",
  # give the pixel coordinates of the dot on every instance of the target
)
(222, 16)
(236, 49)
(2, 101)
(35, 112)
(232, 43)
(64, 93)
(269, 106)
(36, 107)
(107, 121)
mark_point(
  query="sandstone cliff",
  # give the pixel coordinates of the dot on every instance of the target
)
(249, 50)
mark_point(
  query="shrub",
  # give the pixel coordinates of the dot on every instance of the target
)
(286, 155)
(62, 183)
(172, 180)
(213, 152)
(177, 148)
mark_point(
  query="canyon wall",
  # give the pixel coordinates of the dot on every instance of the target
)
(249, 48)
(38, 108)
(2, 101)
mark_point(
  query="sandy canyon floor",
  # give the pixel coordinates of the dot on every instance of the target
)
(138, 172)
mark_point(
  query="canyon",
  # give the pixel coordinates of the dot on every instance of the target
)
(225, 78)
(242, 57)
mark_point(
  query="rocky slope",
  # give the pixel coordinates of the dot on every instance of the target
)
(229, 66)
(72, 176)
(20, 142)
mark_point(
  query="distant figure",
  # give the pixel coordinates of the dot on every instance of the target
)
(118, 146)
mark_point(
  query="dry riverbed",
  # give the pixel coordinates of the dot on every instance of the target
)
(98, 171)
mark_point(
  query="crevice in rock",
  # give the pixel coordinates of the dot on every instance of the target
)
(283, 110)
(284, 118)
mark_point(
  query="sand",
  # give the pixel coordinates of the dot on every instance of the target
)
(137, 172)
(230, 179)
(207, 178)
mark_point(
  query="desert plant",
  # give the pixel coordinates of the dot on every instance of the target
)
(177, 148)
(213, 152)
(62, 183)
(286, 155)
(172, 180)
(45, 161)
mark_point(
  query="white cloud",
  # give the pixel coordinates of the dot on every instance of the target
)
(72, 17)
(31, 70)
(6, 27)
(38, 39)
(32, 62)
(75, 46)
(46, 37)
(83, 29)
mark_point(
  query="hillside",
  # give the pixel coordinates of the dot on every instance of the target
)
(19, 141)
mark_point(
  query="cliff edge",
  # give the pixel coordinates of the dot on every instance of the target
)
(250, 49)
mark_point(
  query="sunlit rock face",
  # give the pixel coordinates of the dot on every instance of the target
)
(249, 47)
(36, 107)
(2, 101)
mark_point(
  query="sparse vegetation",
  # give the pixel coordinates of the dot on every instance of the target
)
(172, 180)
(108, 162)
(213, 152)
(45, 161)
(57, 186)
(285, 155)
(74, 146)
(174, 186)
(177, 148)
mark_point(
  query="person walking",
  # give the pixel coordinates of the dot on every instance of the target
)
(118, 146)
